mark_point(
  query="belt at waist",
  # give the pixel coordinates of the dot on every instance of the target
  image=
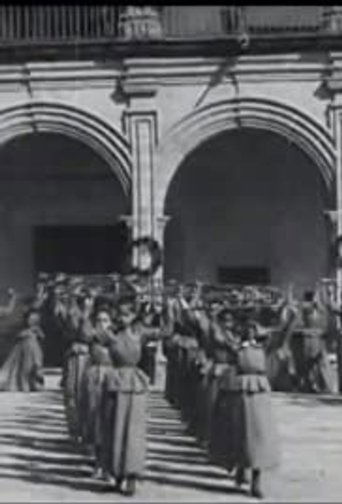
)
(122, 366)
(245, 373)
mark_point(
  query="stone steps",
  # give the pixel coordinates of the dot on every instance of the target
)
(35, 443)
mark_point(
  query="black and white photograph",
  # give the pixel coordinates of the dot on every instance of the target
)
(170, 253)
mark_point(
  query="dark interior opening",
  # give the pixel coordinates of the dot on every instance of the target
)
(81, 249)
(248, 275)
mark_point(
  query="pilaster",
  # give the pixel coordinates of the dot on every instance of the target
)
(141, 128)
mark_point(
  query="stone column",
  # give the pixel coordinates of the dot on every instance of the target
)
(338, 139)
(161, 222)
(141, 129)
(129, 221)
(160, 358)
(336, 217)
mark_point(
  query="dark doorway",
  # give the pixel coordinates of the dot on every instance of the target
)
(81, 249)
(244, 275)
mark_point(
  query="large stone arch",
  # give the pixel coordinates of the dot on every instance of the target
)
(86, 127)
(202, 124)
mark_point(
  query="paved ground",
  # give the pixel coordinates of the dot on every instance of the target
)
(38, 462)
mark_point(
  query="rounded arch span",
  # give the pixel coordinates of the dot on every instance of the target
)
(202, 124)
(86, 127)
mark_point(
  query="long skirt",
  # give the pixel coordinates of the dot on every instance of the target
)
(253, 440)
(280, 369)
(189, 388)
(321, 374)
(23, 369)
(91, 403)
(220, 428)
(172, 378)
(211, 393)
(124, 433)
(202, 405)
(193, 387)
(74, 369)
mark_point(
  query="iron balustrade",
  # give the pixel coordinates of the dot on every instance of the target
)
(71, 23)
(57, 23)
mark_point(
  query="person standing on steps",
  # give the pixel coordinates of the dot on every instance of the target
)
(76, 360)
(124, 406)
(100, 336)
(253, 441)
(23, 369)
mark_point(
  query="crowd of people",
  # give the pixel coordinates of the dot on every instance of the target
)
(226, 347)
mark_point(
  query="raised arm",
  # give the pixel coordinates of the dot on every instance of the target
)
(86, 328)
(193, 312)
(11, 305)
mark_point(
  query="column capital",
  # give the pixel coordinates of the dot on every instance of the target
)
(332, 18)
(162, 220)
(140, 23)
(127, 219)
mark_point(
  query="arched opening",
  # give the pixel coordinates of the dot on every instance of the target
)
(60, 207)
(248, 206)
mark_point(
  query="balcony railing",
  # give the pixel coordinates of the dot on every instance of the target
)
(214, 20)
(57, 23)
(72, 23)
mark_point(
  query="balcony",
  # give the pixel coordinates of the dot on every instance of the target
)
(48, 24)
(106, 29)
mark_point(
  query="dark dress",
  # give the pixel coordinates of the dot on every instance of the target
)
(92, 389)
(309, 341)
(23, 369)
(203, 367)
(171, 349)
(124, 408)
(223, 354)
(76, 360)
(253, 440)
(280, 352)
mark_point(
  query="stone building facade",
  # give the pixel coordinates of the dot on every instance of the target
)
(215, 130)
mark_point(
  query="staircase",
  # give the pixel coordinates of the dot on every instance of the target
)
(174, 456)
(37, 457)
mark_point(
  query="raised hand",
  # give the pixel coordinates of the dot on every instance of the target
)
(11, 292)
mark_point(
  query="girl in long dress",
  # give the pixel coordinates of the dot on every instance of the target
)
(23, 369)
(92, 387)
(75, 361)
(253, 440)
(124, 405)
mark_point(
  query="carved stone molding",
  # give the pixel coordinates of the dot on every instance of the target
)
(332, 18)
(140, 23)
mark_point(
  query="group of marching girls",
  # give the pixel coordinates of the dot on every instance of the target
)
(105, 391)
(216, 375)
(223, 347)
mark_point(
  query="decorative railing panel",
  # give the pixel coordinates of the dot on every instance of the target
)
(71, 23)
(210, 21)
(54, 23)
